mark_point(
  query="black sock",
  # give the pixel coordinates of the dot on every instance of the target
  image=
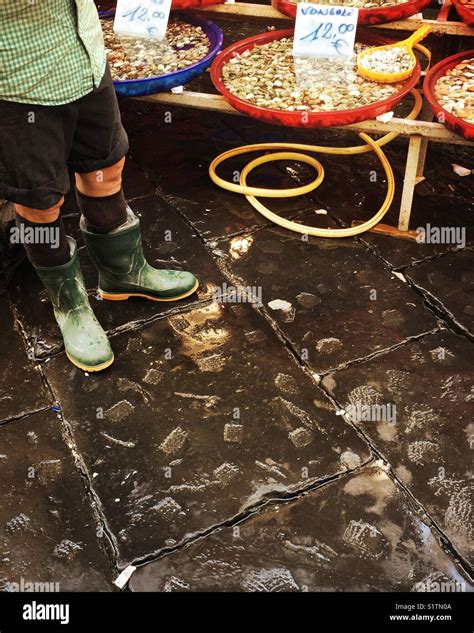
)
(103, 214)
(46, 244)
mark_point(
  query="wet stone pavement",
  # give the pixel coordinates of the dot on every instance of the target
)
(318, 438)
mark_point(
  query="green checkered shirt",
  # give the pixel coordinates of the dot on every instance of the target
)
(51, 51)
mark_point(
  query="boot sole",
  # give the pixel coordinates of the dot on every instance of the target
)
(94, 368)
(108, 296)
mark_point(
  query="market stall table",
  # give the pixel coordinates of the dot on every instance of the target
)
(419, 132)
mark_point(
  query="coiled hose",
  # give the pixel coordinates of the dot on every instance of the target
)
(288, 153)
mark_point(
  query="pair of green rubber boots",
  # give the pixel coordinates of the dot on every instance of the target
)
(123, 273)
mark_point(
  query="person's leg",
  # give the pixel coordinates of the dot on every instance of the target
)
(12, 254)
(34, 144)
(110, 229)
(101, 199)
(33, 175)
(50, 246)
(97, 156)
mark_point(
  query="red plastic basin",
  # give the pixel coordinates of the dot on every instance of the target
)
(378, 15)
(310, 119)
(466, 14)
(451, 121)
(193, 4)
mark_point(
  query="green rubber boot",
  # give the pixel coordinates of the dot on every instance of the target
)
(124, 271)
(86, 343)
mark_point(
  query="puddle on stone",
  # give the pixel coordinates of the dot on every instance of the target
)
(359, 533)
(222, 426)
(427, 440)
(344, 303)
(48, 534)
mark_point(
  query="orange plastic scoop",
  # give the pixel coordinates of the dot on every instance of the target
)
(371, 61)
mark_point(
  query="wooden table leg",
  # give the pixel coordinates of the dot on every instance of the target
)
(415, 152)
(421, 160)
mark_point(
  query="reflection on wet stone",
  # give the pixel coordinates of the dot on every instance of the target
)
(359, 533)
(449, 282)
(222, 428)
(211, 211)
(41, 538)
(367, 315)
(428, 385)
(21, 388)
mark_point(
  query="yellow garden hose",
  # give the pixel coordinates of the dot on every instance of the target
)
(288, 154)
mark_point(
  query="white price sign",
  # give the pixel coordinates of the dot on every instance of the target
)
(142, 18)
(323, 30)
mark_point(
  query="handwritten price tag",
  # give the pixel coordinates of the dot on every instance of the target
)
(142, 18)
(324, 31)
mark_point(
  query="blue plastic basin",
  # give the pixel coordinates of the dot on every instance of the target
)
(164, 83)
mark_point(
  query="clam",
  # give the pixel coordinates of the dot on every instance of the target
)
(139, 58)
(455, 90)
(300, 84)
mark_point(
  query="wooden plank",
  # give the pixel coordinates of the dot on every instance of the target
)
(389, 231)
(427, 115)
(431, 131)
(444, 11)
(240, 10)
(414, 149)
(438, 28)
